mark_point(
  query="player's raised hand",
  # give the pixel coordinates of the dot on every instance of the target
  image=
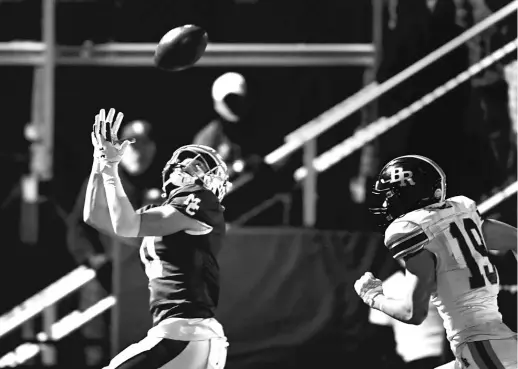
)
(104, 137)
(368, 287)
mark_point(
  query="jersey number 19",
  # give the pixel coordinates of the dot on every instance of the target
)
(470, 245)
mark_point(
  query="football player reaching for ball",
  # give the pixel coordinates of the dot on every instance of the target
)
(181, 238)
(444, 245)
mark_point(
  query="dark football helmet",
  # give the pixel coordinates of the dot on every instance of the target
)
(196, 164)
(405, 184)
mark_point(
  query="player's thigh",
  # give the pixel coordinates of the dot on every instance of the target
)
(207, 354)
(149, 353)
(500, 354)
(195, 356)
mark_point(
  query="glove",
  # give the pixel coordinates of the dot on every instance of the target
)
(107, 147)
(368, 287)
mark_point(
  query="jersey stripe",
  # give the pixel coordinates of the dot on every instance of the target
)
(408, 245)
(484, 355)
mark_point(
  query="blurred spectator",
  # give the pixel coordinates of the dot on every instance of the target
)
(466, 128)
(411, 30)
(229, 133)
(94, 249)
(420, 346)
(489, 118)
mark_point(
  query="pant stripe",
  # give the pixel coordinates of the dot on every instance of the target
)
(484, 355)
(492, 354)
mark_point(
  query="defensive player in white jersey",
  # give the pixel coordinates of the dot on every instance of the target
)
(444, 245)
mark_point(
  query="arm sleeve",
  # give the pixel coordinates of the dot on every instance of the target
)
(83, 241)
(404, 238)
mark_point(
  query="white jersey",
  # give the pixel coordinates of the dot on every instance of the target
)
(467, 284)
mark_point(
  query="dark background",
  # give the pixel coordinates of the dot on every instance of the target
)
(467, 132)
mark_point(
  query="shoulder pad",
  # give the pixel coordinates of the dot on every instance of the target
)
(463, 202)
(421, 217)
(404, 238)
(198, 203)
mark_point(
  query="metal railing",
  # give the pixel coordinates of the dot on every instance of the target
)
(38, 54)
(370, 132)
(46, 299)
(45, 303)
(382, 125)
(305, 136)
(346, 108)
(45, 57)
(491, 202)
(54, 331)
(31, 53)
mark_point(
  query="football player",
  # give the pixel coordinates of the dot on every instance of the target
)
(181, 238)
(444, 246)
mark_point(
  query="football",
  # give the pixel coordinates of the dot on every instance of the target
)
(181, 48)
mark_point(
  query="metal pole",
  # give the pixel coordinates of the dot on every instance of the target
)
(377, 31)
(309, 188)
(39, 130)
(48, 350)
(47, 125)
(29, 214)
(369, 153)
(42, 128)
(115, 313)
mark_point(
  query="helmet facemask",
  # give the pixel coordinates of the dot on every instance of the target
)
(385, 205)
(392, 199)
(196, 164)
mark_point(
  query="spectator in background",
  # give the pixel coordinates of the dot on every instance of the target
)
(411, 30)
(91, 248)
(230, 132)
(489, 118)
(471, 122)
(420, 346)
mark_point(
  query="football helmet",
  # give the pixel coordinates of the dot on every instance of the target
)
(405, 184)
(196, 164)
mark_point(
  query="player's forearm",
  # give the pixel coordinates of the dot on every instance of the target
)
(124, 219)
(95, 209)
(402, 310)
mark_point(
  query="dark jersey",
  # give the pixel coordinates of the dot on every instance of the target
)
(182, 268)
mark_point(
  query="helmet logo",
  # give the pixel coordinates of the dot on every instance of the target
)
(397, 174)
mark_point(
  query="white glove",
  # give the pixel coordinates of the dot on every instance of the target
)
(108, 149)
(368, 287)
